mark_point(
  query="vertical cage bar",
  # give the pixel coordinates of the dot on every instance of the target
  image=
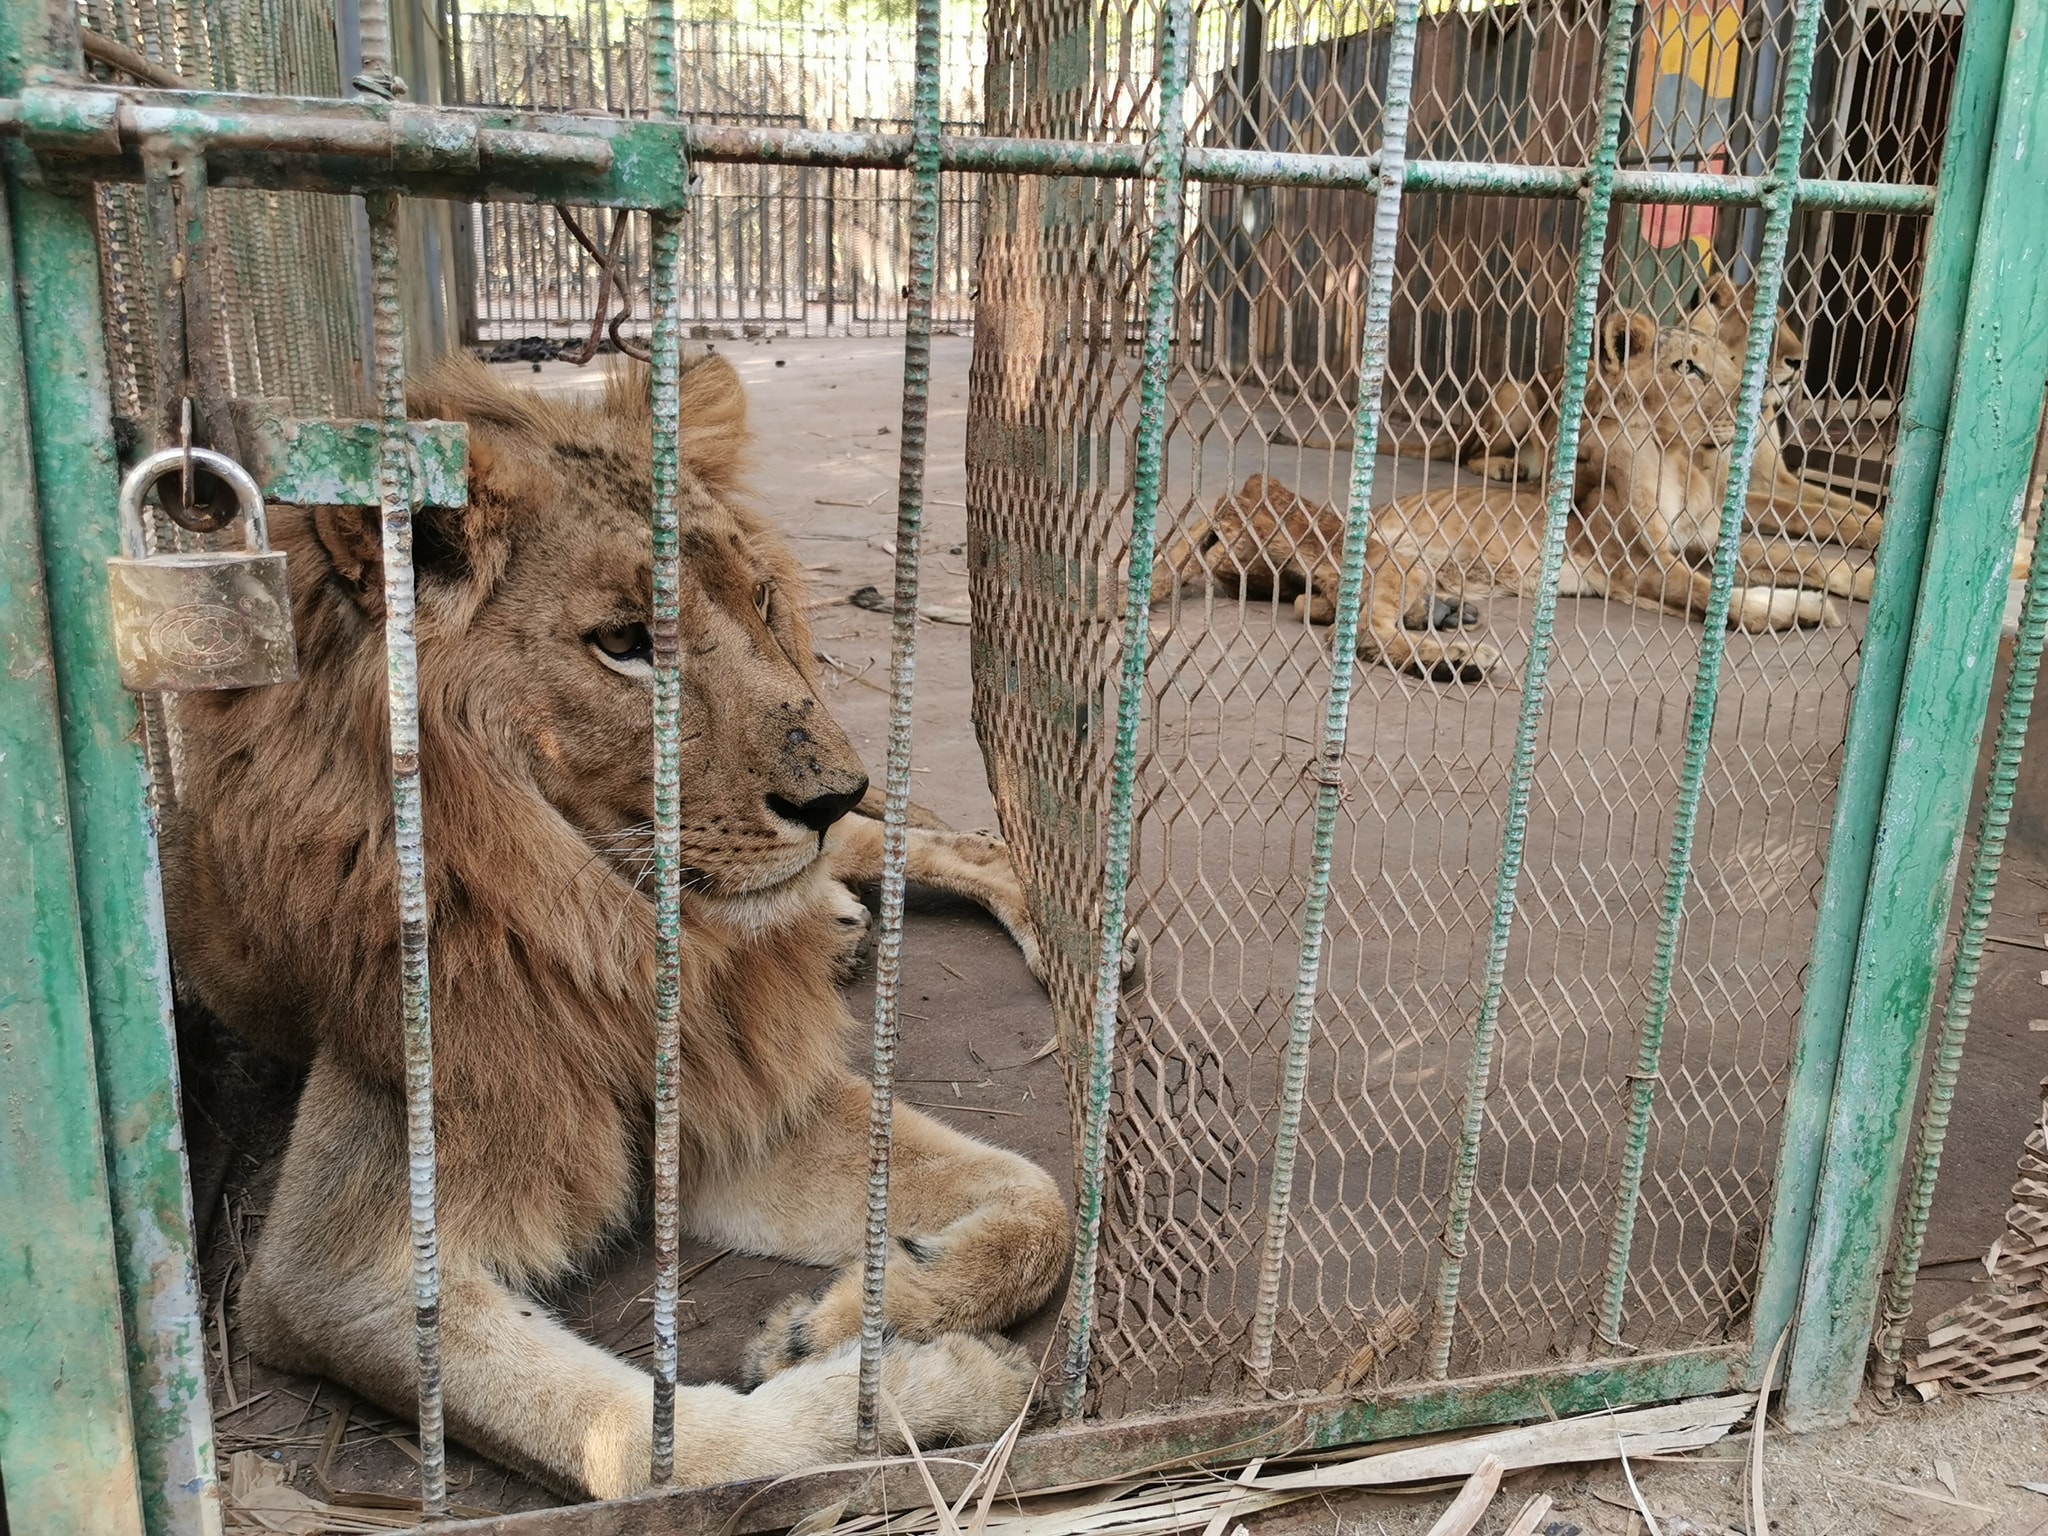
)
(665, 354)
(1924, 408)
(123, 1032)
(1614, 62)
(1169, 171)
(1699, 727)
(917, 372)
(396, 484)
(2013, 716)
(1372, 368)
(2001, 371)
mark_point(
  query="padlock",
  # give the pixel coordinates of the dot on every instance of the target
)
(185, 622)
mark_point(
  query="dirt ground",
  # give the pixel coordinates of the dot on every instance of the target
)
(976, 1025)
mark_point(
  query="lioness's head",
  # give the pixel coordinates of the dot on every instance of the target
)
(1674, 385)
(536, 606)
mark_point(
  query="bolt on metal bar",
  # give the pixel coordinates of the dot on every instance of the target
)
(1614, 62)
(665, 359)
(1699, 728)
(1372, 368)
(397, 486)
(2013, 716)
(917, 371)
(1168, 159)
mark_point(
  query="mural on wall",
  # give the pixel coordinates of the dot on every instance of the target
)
(1684, 115)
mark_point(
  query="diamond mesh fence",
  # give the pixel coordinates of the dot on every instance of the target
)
(1265, 374)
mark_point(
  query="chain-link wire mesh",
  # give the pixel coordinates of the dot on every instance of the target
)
(1271, 296)
(768, 250)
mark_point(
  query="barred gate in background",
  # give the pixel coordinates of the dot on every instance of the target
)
(769, 250)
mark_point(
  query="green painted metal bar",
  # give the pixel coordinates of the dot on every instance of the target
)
(1365, 436)
(665, 355)
(396, 487)
(65, 1436)
(2001, 373)
(360, 146)
(336, 464)
(917, 375)
(1916, 466)
(1169, 155)
(56, 270)
(485, 153)
(1614, 61)
(1699, 725)
(2013, 715)
(666, 358)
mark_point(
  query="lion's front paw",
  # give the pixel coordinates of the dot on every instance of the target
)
(855, 928)
(785, 1339)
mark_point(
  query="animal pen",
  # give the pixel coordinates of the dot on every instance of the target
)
(1575, 1015)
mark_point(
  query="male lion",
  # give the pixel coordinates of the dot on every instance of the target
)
(536, 750)
(1653, 459)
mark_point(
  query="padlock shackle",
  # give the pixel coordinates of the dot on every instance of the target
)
(248, 496)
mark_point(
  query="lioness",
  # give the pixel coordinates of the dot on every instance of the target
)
(1653, 460)
(535, 673)
(1512, 437)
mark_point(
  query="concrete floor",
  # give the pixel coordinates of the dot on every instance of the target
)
(1234, 719)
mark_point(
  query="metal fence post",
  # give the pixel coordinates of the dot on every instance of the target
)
(1924, 414)
(69, 1452)
(113, 839)
(2001, 372)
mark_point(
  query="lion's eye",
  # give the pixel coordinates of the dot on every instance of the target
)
(625, 648)
(764, 602)
(1686, 365)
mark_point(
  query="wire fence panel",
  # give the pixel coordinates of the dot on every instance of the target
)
(1271, 305)
(767, 250)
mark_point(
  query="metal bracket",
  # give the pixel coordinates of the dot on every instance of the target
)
(314, 462)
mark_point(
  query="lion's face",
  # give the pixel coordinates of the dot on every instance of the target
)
(536, 623)
(1676, 385)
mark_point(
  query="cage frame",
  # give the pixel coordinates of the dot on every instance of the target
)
(109, 1229)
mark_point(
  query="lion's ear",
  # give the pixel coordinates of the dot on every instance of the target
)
(458, 552)
(1623, 335)
(713, 412)
(352, 540)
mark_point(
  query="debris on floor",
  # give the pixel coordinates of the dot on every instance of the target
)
(1997, 1341)
(1212, 1502)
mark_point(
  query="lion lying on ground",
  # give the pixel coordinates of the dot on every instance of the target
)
(536, 752)
(1660, 413)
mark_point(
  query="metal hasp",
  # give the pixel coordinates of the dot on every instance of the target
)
(313, 463)
(190, 620)
(2000, 369)
(70, 1464)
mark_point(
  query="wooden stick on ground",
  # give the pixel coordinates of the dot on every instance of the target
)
(1531, 1516)
(1470, 1506)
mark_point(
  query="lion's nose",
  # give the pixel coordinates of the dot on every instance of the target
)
(819, 813)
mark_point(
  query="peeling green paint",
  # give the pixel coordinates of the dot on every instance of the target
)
(335, 463)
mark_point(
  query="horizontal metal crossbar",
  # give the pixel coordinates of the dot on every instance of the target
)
(495, 155)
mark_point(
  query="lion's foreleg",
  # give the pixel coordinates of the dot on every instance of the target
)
(980, 1235)
(958, 863)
